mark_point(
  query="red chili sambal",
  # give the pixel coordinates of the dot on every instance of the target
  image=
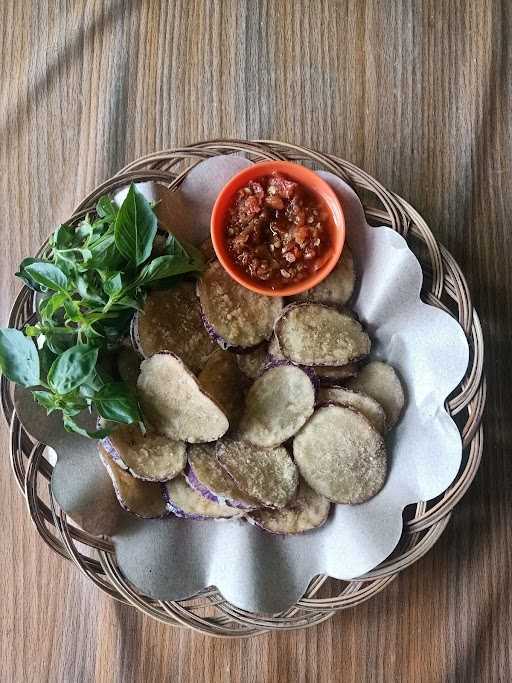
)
(277, 231)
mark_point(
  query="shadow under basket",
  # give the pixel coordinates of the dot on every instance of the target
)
(444, 287)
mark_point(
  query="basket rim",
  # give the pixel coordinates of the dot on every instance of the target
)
(445, 287)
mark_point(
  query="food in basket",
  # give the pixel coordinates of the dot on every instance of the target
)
(252, 363)
(308, 510)
(325, 374)
(223, 380)
(144, 454)
(316, 334)
(215, 412)
(364, 404)
(141, 498)
(277, 405)
(379, 380)
(174, 403)
(338, 286)
(334, 376)
(170, 320)
(268, 475)
(184, 501)
(235, 317)
(276, 230)
(206, 475)
(90, 280)
(341, 455)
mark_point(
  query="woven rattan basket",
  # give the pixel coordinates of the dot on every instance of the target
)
(444, 287)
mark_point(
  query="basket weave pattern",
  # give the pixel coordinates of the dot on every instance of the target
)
(444, 287)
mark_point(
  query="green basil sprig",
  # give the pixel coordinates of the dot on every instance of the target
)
(90, 282)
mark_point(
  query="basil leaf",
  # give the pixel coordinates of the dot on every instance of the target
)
(162, 267)
(93, 384)
(23, 275)
(113, 284)
(174, 248)
(49, 306)
(184, 250)
(135, 227)
(130, 302)
(115, 402)
(72, 368)
(89, 290)
(84, 230)
(66, 262)
(19, 361)
(48, 275)
(105, 208)
(58, 341)
(46, 399)
(72, 311)
(63, 237)
(71, 426)
(104, 254)
(32, 330)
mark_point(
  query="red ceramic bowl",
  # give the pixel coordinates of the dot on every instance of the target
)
(308, 179)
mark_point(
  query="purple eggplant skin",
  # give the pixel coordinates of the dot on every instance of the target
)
(114, 454)
(194, 483)
(134, 335)
(112, 451)
(109, 448)
(223, 343)
(175, 510)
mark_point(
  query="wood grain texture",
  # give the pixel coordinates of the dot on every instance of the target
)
(416, 93)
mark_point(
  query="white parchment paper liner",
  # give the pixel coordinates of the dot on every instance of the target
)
(173, 558)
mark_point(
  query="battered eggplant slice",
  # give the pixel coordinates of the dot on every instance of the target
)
(338, 286)
(364, 404)
(266, 474)
(222, 379)
(147, 456)
(205, 474)
(252, 364)
(277, 405)
(315, 334)
(341, 456)
(174, 404)
(184, 501)
(380, 381)
(235, 317)
(171, 321)
(142, 498)
(308, 510)
(326, 375)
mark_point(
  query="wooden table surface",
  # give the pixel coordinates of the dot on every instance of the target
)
(416, 93)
